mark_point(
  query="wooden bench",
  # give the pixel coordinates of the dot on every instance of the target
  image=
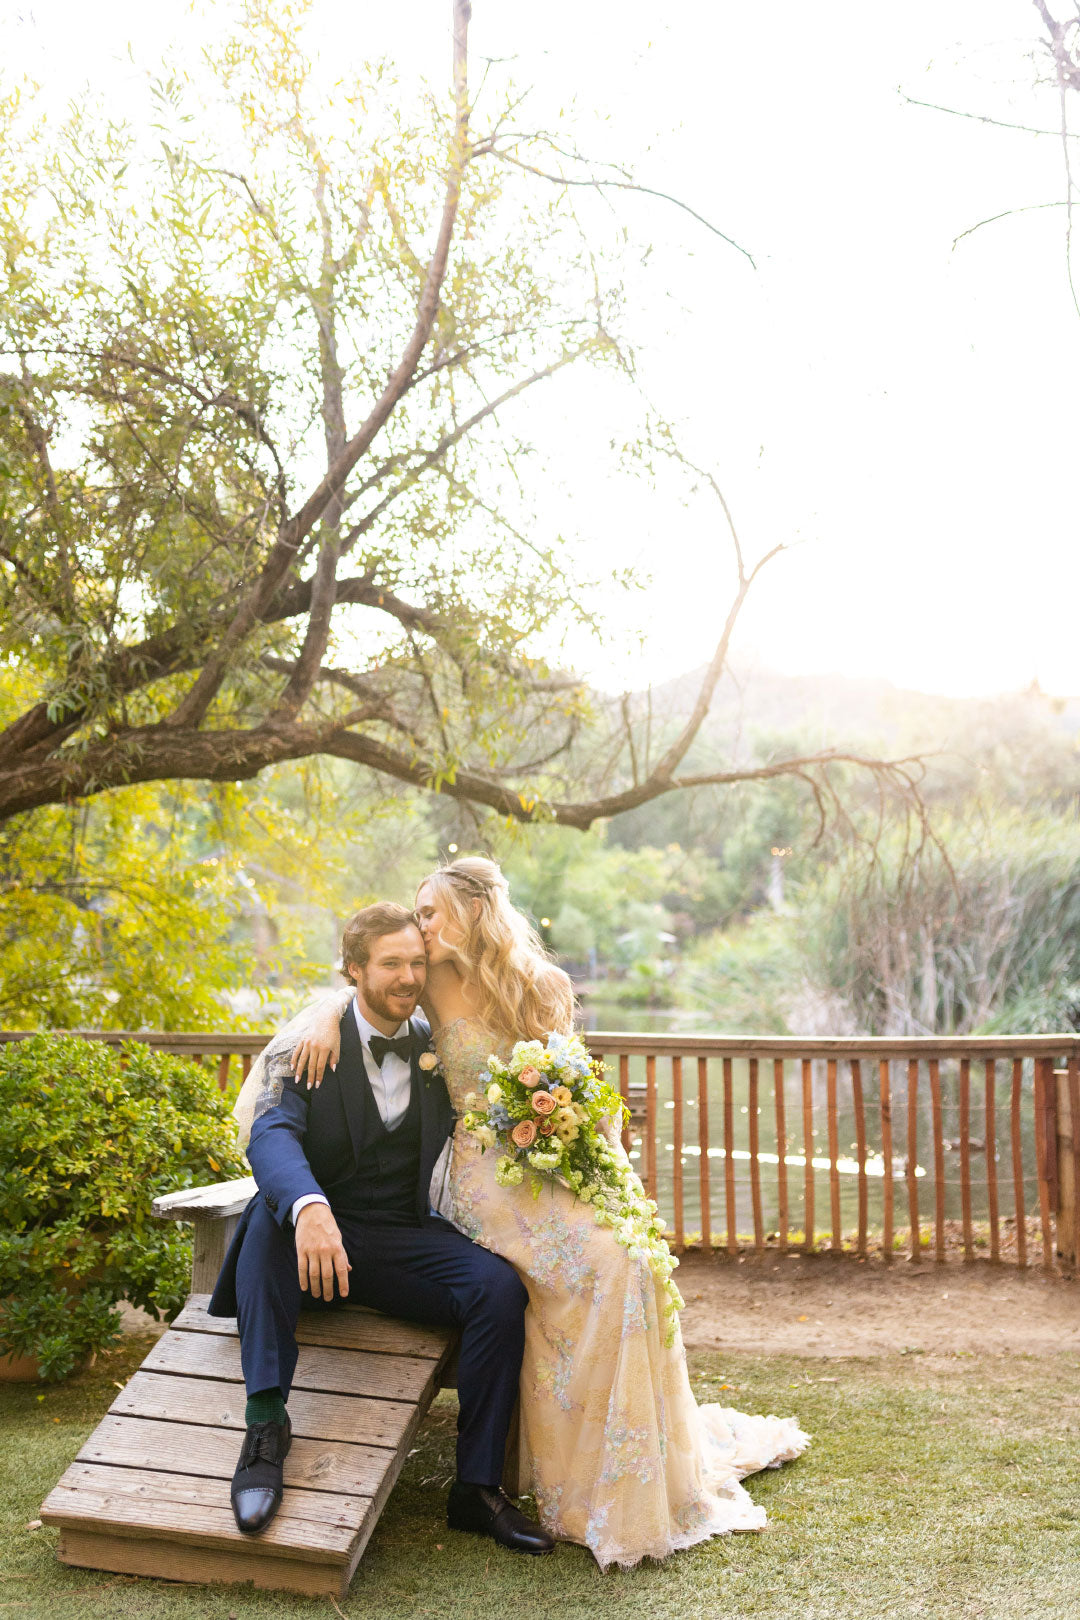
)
(148, 1493)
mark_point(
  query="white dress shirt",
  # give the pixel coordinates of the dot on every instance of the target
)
(391, 1086)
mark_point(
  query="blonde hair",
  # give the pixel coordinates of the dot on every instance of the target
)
(523, 993)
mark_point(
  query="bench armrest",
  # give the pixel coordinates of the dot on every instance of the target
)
(215, 1213)
(225, 1198)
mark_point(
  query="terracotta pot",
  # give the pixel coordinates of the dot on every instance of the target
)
(16, 1369)
(19, 1369)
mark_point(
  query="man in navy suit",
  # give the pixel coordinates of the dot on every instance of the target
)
(343, 1210)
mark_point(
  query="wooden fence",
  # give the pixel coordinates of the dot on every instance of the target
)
(740, 1139)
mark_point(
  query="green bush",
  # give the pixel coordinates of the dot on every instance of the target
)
(89, 1137)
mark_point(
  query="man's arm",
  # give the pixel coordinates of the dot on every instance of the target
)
(276, 1153)
(290, 1191)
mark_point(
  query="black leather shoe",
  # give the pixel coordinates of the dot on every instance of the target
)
(256, 1485)
(491, 1513)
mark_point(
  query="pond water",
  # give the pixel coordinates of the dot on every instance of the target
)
(611, 1017)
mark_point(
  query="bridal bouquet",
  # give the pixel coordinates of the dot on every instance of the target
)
(550, 1112)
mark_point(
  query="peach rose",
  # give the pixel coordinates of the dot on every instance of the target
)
(524, 1133)
(546, 1127)
(543, 1102)
(530, 1077)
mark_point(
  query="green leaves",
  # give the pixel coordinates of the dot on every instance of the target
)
(191, 316)
(89, 1136)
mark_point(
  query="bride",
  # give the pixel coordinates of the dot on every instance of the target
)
(614, 1446)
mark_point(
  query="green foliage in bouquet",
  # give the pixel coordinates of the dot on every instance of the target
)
(550, 1112)
(89, 1137)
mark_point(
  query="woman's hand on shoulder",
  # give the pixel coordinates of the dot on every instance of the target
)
(320, 1046)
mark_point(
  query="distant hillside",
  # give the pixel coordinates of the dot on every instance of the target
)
(836, 711)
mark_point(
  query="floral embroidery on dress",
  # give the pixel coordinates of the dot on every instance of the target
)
(693, 1513)
(627, 1450)
(468, 1191)
(635, 1304)
(594, 1529)
(553, 1376)
(559, 1250)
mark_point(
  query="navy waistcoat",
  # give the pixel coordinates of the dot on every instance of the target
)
(382, 1186)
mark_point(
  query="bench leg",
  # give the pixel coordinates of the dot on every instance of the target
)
(211, 1240)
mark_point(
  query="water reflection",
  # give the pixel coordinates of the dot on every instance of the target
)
(799, 1144)
(875, 1164)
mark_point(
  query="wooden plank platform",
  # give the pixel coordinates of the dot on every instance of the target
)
(149, 1491)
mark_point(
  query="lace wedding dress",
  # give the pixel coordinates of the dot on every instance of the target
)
(620, 1456)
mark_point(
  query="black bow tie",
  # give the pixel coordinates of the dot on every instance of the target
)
(379, 1046)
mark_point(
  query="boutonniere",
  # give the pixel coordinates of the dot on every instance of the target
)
(429, 1063)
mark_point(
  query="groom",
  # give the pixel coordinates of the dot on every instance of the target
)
(343, 1210)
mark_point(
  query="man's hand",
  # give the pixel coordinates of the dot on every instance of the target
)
(320, 1253)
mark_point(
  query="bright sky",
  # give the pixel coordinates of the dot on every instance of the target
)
(906, 411)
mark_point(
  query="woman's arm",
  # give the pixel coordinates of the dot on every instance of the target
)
(320, 1042)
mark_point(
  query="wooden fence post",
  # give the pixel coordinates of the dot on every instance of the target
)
(1068, 1162)
(1046, 1151)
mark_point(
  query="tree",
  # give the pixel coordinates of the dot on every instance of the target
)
(1060, 45)
(262, 474)
(157, 907)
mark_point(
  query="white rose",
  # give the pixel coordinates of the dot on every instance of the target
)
(428, 1061)
(485, 1136)
(494, 1092)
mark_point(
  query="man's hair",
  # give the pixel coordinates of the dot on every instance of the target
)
(368, 925)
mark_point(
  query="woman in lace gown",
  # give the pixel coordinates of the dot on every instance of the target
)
(618, 1453)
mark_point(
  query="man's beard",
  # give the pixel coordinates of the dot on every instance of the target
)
(380, 1004)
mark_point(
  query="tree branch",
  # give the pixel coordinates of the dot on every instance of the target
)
(598, 182)
(431, 457)
(193, 709)
(980, 118)
(1007, 213)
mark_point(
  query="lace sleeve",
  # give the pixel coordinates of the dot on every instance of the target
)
(262, 1089)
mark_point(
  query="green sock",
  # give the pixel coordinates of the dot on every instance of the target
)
(265, 1406)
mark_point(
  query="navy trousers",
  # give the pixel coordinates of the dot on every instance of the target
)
(429, 1273)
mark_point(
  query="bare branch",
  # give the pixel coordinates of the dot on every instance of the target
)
(980, 118)
(377, 704)
(431, 457)
(628, 733)
(1067, 73)
(599, 183)
(673, 756)
(1007, 213)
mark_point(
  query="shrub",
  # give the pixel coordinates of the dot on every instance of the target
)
(988, 939)
(89, 1137)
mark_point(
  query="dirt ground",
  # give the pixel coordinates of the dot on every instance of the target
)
(819, 1305)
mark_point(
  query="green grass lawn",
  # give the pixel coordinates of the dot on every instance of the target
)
(934, 1487)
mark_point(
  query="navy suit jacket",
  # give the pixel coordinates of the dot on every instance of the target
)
(314, 1141)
